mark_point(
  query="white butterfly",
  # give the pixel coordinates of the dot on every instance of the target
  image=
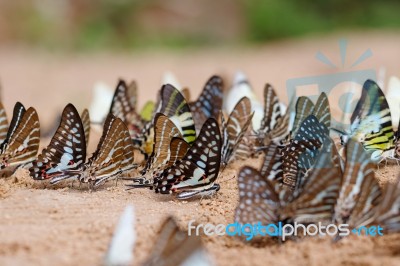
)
(393, 98)
(101, 100)
(121, 246)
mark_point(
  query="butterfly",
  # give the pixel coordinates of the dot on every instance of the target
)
(371, 122)
(113, 156)
(387, 214)
(272, 110)
(209, 102)
(393, 98)
(65, 156)
(3, 123)
(305, 107)
(176, 247)
(360, 193)
(300, 155)
(315, 200)
(164, 131)
(234, 129)
(197, 171)
(258, 199)
(21, 144)
(173, 105)
(123, 106)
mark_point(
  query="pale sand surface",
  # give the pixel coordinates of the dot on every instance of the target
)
(41, 224)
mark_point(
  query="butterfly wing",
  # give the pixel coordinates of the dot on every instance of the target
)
(178, 147)
(360, 192)
(388, 212)
(300, 155)
(304, 108)
(315, 201)
(199, 169)
(23, 142)
(65, 155)
(86, 125)
(3, 123)
(175, 247)
(164, 131)
(108, 156)
(272, 109)
(209, 102)
(258, 201)
(322, 110)
(237, 125)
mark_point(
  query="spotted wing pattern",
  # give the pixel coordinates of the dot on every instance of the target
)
(258, 201)
(199, 169)
(65, 156)
(300, 154)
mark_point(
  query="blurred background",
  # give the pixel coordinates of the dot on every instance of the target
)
(54, 51)
(138, 24)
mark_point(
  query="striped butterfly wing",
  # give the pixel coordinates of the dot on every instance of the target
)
(209, 102)
(105, 161)
(272, 109)
(371, 122)
(258, 200)
(164, 131)
(300, 155)
(304, 108)
(3, 123)
(388, 212)
(360, 192)
(86, 125)
(23, 144)
(176, 247)
(174, 105)
(316, 200)
(199, 169)
(178, 147)
(233, 131)
(322, 110)
(18, 113)
(124, 100)
(123, 106)
(128, 149)
(65, 156)
(272, 163)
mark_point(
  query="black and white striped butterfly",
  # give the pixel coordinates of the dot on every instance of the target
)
(235, 128)
(123, 106)
(360, 194)
(21, 144)
(197, 172)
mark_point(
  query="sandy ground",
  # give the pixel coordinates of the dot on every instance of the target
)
(40, 224)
